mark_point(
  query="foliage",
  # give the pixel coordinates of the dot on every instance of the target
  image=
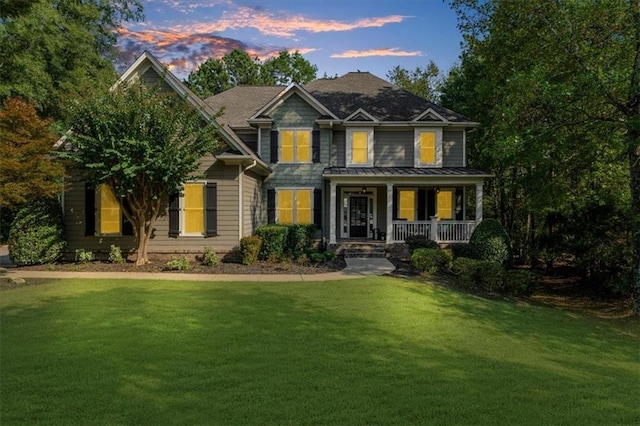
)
(420, 241)
(144, 144)
(250, 249)
(54, 50)
(37, 233)
(425, 82)
(299, 237)
(465, 269)
(238, 68)
(115, 254)
(274, 240)
(330, 255)
(489, 241)
(209, 257)
(84, 256)
(28, 171)
(463, 250)
(428, 260)
(178, 263)
(517, 281)
(489, 275)
(556, 87)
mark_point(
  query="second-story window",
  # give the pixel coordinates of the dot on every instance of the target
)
(295, 146)
(428, 147)
(360, 147)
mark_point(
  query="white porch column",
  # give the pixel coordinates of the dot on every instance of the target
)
(478, 203)
(389, 213)
(332, 213)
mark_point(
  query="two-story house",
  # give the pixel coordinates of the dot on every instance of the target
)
(358, 156)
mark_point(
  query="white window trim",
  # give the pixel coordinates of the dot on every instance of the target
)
(295, 190)
(346, 193)
(370, 141)
(183, 233)
(416, 146)
(295, 144)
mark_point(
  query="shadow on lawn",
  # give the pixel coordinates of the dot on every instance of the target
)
(345, 352)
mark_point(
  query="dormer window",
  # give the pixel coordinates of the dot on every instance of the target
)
(360, 147)
(428, 147)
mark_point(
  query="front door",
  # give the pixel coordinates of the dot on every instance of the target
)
(358, 216)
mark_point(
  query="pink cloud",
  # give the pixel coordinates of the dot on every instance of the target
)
(375, 52)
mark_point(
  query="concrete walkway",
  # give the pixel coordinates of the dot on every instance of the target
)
(356, 268)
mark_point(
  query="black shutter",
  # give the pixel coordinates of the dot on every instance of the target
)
(458, 204)
(431, 203)
(315, 157)
(317, 207)
(395, 204)
(211, 210)
(174, 215)
(89, 209)
(127, 227)
(422, 204)
(271, 206)
(274, 146)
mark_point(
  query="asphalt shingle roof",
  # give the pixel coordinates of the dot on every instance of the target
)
(401, 171)
(241, 102)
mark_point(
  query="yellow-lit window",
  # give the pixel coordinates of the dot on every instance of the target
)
(428, 148)
(285, 206)
(445, 205)
(294, 206)
(360, 148)
(303, 206)
(295, 146)
(407, 201)
(109, 211)
(286, 144)
(194, 208)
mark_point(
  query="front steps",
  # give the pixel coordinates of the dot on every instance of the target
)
(362, 250)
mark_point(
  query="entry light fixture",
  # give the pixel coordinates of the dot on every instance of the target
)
(364, 189)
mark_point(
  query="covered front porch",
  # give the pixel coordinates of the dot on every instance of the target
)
(445, 209)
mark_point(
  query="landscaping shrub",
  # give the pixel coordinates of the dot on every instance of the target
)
(419, 241)
(490, 241)
(274, 239)
(463, 250)
(490, 275)
(178, 263)
(209, 257)
(84, 256)
(115, 255)
(330, 255)
(465, 268)
(518, 281)
(299, 238)
(317, 257)
(250, 249)
(37, 233)
(429, 260)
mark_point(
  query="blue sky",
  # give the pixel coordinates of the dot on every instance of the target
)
(337, 36)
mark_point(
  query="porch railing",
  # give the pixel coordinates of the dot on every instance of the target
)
(447, 231)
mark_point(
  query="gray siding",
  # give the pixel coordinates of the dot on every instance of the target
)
(252, 203)
(453, 149)
(393, 149)
(151, 78)
(226, 178)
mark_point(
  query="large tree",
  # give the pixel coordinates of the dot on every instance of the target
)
(52, 50)
(558, 87)
(238, 68)
(27, 170)
(142, 143)
(425, 82)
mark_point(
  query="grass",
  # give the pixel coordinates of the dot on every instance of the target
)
(370, 351)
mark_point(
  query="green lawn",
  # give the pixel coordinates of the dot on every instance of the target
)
(367, 351)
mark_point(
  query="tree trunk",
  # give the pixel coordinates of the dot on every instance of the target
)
(634, 172)
(143, 239)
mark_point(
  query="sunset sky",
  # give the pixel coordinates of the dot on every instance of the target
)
(336, 36)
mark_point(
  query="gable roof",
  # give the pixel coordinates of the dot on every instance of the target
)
(383, 100)
(293, 88)
(241, 102)
(146, 61)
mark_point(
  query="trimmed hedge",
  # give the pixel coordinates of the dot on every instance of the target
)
(250, 249)
(299, 238)
(490, 241)
(428, 260)
(420, 241)
(37, 233)
(274, 240)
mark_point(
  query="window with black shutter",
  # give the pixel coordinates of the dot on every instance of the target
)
(89, 209)
(273, 146)
(174, 215)
(211, 210)
(422, 204)
(271, 206)
(315, 146)
(317, 207)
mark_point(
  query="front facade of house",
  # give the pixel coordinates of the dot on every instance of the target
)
(356, 155)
